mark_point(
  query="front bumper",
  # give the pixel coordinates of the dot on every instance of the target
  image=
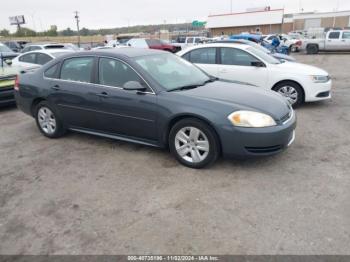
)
(318, 91)
(240, 142)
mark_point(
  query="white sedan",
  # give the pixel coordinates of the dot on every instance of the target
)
(297, 82)
(38, 57)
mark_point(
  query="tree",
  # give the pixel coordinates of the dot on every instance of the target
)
(4, 32)
(84, 31)
(68, 32)
(52, 31)
(23, 31)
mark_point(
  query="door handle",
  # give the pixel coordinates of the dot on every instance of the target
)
(103, 95)
(56, 87)
(223, 70)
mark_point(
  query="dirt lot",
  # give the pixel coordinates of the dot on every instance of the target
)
(87, 195)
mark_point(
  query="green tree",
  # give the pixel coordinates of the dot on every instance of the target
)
(68, 32)
(84, 31)
(4, 32)
(23, 31)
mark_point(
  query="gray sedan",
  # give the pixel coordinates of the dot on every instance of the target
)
(157, 99)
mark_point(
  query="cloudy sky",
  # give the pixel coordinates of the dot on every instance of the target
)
(40, 14)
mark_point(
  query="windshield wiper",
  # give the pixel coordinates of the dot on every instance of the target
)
(180, 88)
(210, 80)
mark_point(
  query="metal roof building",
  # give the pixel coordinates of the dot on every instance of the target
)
(264, 21)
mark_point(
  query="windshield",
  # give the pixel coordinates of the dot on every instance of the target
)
(4, 48)
(171, 71)
(263, 55)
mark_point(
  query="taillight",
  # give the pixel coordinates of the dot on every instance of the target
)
(299, 43)
(16, 87)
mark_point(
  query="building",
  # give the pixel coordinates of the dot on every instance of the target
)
(305, 21)
(268, 21)
(264, 21)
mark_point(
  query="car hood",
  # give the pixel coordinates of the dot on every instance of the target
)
(242, 97)
(283, 56)
(8, 54)
(299, 68)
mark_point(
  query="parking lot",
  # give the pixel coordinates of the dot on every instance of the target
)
(86, 195)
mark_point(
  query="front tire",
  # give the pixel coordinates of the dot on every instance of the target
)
(292, 91)
(48, 121)
(312, 49)
(193, 143)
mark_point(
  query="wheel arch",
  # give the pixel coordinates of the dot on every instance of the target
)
(35, 102)
(180, 117)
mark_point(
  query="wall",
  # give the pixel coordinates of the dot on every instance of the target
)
(264, 29)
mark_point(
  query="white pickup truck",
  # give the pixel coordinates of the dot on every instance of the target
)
(337, 40)
(184, 42)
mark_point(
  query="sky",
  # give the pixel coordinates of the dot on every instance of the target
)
(40, 14)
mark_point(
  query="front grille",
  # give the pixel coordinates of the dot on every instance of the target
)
(264, 150)
(286, 117)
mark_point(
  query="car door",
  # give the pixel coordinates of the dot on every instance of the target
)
(205, 58)
(333, 41)
(238, 65)
(345, 41)
(124, 112)
(73, 93)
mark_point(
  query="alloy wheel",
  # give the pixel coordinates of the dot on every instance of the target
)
(192, 144)
(47, 120)
(290, 93)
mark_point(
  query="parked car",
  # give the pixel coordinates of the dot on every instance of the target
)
(293, 45)
(16, 46)
(7, 81)
(42, 46)
(158, 99)
(334, 41)
(6, 52)
(256, 38)
(152, 44)
(39, 57)
(184, 42)
(297, 82)
(279, 56)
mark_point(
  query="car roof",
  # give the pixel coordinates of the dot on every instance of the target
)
(237, 45)
(43, 44)
(50, 51)
(128, 52)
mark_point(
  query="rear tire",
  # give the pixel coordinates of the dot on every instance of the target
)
(292, 91)
(47, 120)
(194, 143)
(312, 49)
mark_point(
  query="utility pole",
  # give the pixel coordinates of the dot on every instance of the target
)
(77, 19)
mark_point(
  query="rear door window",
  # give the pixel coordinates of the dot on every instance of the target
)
(42, 59)
(334, 35)
(78, 69)
(203, 56)
(52, 72)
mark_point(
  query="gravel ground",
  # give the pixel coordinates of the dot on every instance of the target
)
(87, 195)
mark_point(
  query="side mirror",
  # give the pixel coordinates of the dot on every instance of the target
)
(258, 64)
(8, 61)
(134, 86)
(129, 44)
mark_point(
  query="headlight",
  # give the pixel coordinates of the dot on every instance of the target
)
(251, 119)
(320, 79)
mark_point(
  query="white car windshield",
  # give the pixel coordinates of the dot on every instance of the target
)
(263, 55)
(172, 72)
